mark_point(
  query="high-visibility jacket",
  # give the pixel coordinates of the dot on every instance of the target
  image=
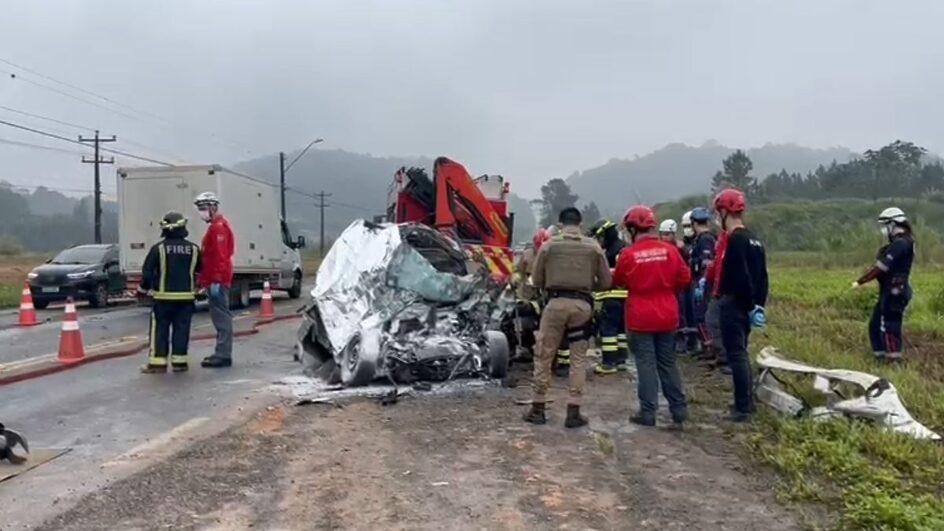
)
(612, 251)
(170, 270)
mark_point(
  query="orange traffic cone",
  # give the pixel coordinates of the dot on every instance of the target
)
(70, 340)
(27, 311)
(266, 310)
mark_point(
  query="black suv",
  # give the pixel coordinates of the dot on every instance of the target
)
(84, 272)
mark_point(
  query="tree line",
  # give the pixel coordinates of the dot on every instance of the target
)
(900, 169)
(22, 230)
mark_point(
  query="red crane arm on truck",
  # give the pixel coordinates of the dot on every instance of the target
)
(462, 209)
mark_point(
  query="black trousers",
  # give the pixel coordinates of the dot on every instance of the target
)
(170, 331)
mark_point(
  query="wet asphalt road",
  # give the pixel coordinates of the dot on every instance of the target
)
(115, 419)
(98, 326)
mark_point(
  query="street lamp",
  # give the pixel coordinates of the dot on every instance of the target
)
(283, 168)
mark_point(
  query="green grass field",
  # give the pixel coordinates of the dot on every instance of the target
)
(866, 477)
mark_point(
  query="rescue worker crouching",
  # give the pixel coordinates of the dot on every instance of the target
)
(614, 344)
(568, 269)
(892, 269)
(169, 276)
(654, 273)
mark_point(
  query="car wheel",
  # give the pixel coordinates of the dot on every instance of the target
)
(99, 298)
(40, 304)
(296, 290)
(244, 295)
(497, 345)
(359, 359)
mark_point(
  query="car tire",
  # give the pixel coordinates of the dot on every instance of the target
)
(239, 295)
(296, 290)
(498, 353)
(40, 304)
(245, 295)
(99, 297)
(359, 359)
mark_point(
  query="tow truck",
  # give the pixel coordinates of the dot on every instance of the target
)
(471, 211)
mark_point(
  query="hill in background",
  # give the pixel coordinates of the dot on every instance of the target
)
(678, 170)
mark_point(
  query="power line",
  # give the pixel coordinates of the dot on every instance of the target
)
(71, 141)
(112, 101)
(47, 118)
(89, 128)
(41, 147)
(13, 75)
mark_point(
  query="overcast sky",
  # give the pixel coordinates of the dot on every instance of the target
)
(529, 89)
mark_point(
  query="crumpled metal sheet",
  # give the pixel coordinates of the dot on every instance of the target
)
(372, 275)
(350, 282)
(880, 402)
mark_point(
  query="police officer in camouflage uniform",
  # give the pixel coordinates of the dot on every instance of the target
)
(568, 269)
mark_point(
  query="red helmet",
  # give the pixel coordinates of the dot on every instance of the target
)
(730, 200)
(541, 236)
(640, 217)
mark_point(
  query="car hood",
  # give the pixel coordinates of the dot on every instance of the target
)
(62, 269)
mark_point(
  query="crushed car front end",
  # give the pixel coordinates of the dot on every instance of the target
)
(398, 302)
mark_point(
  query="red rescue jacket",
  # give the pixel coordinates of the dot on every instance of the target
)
(713, 274)
(654, 273)
(217, 254)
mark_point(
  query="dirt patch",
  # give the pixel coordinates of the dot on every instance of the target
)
(13, 269)
(465, 461)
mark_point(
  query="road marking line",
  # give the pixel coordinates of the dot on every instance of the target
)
(161, 445)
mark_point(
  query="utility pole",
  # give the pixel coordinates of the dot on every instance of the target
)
(282, 182)
(322, 206)
(97, 161)
(283, 168)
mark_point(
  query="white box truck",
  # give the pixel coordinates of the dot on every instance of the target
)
(265, 249)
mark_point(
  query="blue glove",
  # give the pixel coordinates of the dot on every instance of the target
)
(699, 291)
(758, 317)
(215, 289)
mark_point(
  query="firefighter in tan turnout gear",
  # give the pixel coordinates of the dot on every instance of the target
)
(568, 269)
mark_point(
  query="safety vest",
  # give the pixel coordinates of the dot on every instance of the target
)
(170, 270)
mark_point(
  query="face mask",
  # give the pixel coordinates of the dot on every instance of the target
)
(884, 230)
(204, 215)
(688, 231)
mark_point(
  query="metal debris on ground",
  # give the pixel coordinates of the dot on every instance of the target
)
(398, 302)
(9, 440)
(876, 399)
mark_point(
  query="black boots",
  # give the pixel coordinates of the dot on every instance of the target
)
(574, 418)
(536, 415)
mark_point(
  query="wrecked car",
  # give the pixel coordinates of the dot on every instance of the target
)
(398, 301)
(848, 394)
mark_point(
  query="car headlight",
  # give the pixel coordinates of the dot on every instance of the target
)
(80, 274)
(32, 274)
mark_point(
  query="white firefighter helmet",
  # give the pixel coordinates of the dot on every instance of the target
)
(892, 215)
(668, 226)
(687, 229)
(206, 198)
